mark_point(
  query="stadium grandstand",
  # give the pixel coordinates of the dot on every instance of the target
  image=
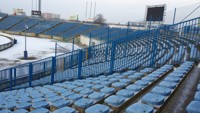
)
(146, 70)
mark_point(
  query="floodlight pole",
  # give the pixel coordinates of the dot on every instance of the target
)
(25, 51)
(174, 16)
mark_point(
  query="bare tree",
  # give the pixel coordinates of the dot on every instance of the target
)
(99, 19)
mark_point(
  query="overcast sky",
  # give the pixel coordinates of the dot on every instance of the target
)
(113, 10)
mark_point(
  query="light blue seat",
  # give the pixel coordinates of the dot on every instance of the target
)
(88, 85)
(66, 94)
(38, 100)
(61, 103)
(115, 100)
(134, 87)
(40, 110)
(172, 79)
(97, 87)
(96, 96)
(107, 90)
(20, 111)
(133, 77)
(118, 84)
(5, 111)
(113, 80)
(155, 74)
(65, 110)
(167, 84)
(126, 93)
(78, 89)
(149, 79)
(86, 92)
(179, 75)
(139, 108)
(153, 99)
(127, 81)
(106, 83)
(141, 82)
(10, 105)
(193, 107)
(98, 108)
(55, 98)
(197, 96)
(23, 105)
(75, 97)
(83, 103)
(198, 87)
(41, 104)
(161, 90)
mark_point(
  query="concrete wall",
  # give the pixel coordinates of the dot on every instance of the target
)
(85, 40)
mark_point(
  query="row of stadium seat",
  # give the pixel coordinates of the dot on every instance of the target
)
(154, 100)
(193, 107)
(79, 94)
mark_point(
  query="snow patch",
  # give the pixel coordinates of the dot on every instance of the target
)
(4, 40)
(36, 47)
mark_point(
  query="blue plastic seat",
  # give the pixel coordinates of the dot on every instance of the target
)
(38, 100)
(167, 84)
(198, 87)
(193, 107)
(134, 87)
(127, 81)
(83, 103)
(149, 79)
(75, 97)
(172, 79)
(40, 110)
(96, 96)
(153, 99)
(65, 110)
(115, 100)
(5, 111)
(126, 93)
(86, 92)
(20, 111)
(66, 94)
(61, 103)
(98, 108)
(113, 80)
(41, 104)
(139, 108)
(161, 90)
(107, 90)
(78, 89)
(55, 98)
(142, 82)
(197, 96)
(106, 83)
(23, 105)
(97, 87)
(118, 84)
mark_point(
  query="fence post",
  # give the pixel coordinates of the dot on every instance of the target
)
(10, 72)
(112, 59)
(53, 69)
(30, 74)
(15, 76)
(80, 63)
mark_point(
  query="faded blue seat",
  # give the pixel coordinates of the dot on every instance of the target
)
(23, 105)
(97, 87)
(61, 103)
(55, 98)
(179, 75)
(20, 111)
(167, 84)
(149, 79)
(88, 85)
(5, 111)
(161, 90)
(107, 90)
(133, 77)
(172, 79)
(141, 82)
(41, 104)
(98, 108)
(153, 99)
(83, 103)
(97, 96)
(134, 87)
(113, 80)
(118, 84)
(75, 97)
(65, 110)
(139, 108)
(78, 89)
(193, 107)
(86, 91)
(106, 83)
(197, 96)
(38, 100)
(115, 100)
(126, 93)
(66, 94)
(40, 110)
(127, 81)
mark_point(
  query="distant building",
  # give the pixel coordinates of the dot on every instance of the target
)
(50, 16)
(73, 18)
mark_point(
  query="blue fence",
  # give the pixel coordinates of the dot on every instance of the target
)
(151, 48)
